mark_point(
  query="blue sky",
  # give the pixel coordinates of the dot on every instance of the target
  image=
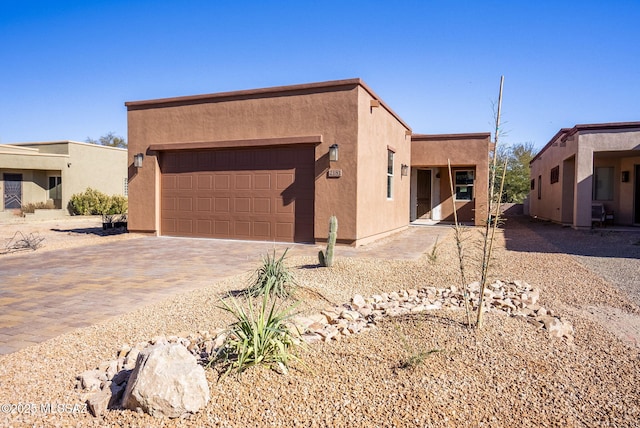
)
(67, 67)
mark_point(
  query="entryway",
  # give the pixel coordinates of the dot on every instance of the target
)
(424, 194)
(12, 191)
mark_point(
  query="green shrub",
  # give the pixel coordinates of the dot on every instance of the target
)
(94, 202)
(119, 205)
(273, 277)
(259, 336)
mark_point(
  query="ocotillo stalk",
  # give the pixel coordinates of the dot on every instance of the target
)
(488, 243)
(496, 218)
(463, 281)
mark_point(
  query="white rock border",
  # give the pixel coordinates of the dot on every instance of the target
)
(103, 387)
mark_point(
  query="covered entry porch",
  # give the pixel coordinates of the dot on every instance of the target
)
(431, 198)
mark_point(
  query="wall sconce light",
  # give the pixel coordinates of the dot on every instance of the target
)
(333, 153)
(625, 176)
(68, 164)
(404, 170)
(137, 160)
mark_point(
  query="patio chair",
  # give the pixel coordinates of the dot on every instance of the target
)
(598, 214)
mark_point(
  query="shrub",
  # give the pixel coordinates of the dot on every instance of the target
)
(94, 202)
(30, 208)
(259, 336)
(119, 205)
(273, 277)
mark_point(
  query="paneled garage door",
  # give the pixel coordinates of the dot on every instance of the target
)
(253, 194)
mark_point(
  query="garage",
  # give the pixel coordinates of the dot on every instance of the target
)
(264, 193)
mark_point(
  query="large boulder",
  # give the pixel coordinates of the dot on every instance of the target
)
(167, 381)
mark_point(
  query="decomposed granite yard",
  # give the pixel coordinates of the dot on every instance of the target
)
(509, 373)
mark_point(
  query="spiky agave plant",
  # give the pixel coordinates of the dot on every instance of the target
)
(261, 335)
(272, 277)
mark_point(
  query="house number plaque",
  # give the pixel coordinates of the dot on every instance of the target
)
(334, 173)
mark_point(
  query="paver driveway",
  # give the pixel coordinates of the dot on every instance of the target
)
(43, 295)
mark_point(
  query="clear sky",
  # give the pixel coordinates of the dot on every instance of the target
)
(67, 67)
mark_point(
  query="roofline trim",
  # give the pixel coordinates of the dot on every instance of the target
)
(242, 93)
(233, 144)
(327, 86)
(474, 135)
(564, 133)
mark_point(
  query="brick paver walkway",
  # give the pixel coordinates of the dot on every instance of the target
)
(43, 295)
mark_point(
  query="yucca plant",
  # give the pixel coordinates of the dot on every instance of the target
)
(273, 277)
(260, 335)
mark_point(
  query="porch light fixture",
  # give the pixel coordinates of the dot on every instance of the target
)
(333, 153)
(404, 170)
(137, 160)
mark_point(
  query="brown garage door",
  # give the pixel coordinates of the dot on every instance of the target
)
(256, 194)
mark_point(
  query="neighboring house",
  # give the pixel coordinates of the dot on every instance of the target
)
(585, 166)
(261, 164)
(53, 171)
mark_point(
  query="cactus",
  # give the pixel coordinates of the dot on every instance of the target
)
(326, 257)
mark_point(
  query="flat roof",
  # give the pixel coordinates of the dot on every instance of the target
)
(46, 143)
(565, 133)
(331, 85)
(467, 136)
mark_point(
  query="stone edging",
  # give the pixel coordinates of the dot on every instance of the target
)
(103, 387)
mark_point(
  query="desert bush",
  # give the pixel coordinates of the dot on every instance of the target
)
(260, 335)
(273, 277)
(119, 205)
(20, 241)
(31, 207)
(94, 202)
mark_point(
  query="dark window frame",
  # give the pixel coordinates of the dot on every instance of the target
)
(555, 174)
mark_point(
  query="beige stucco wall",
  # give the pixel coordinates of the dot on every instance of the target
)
(585, 149)
(329, 112)
(80, 165)
(549, 206)
(99, 167)
(464, 151)
(378, 129)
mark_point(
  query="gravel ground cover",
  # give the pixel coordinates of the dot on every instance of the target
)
(507, 374)
(66, 232)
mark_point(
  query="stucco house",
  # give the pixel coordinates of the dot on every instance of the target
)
(38, 172)
(276, 163)
(588, 168)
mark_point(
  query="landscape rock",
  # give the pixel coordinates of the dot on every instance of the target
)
(358, 302)
(90, 380)
(99, 402)
(167, 381)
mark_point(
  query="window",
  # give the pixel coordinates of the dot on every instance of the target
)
(555, 174)
(389, 174)
(464, 185)
(539, 187)
(55, 188)
(603, 184)
(533, 184)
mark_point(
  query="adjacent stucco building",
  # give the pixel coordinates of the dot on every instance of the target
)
(39, 172)
(585, 165)
(261, 164)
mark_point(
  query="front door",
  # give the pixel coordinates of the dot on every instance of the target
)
(12, 191)
(424, 193)
(636, 196)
